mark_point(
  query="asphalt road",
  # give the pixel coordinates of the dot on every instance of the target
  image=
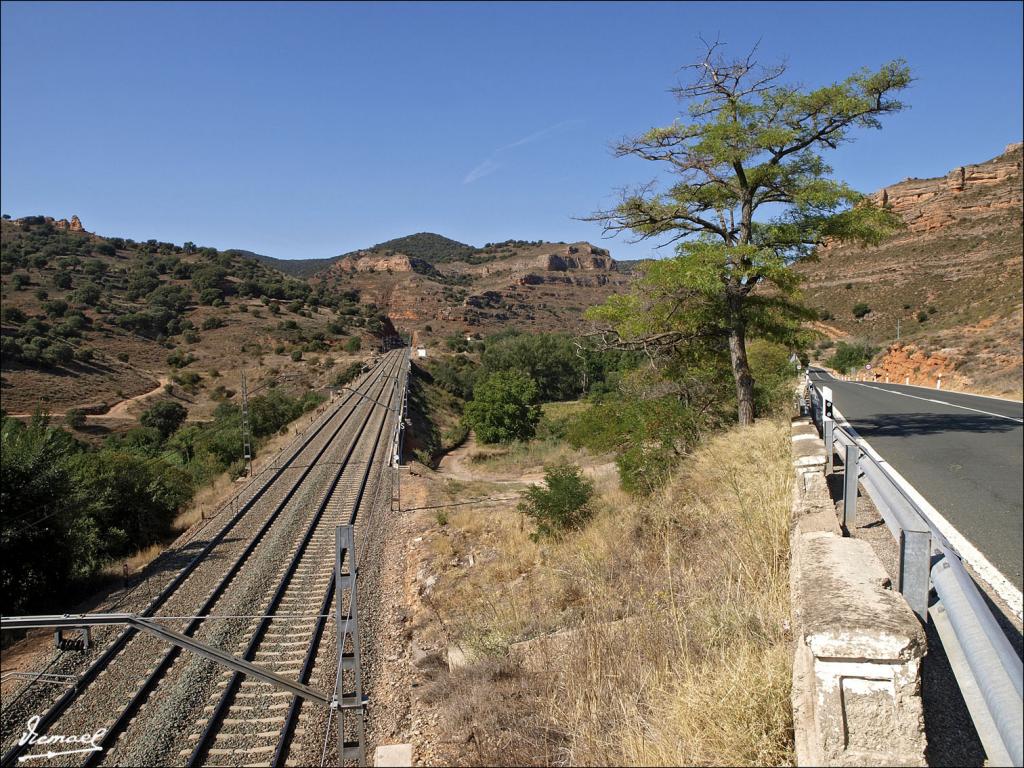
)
(963, 453)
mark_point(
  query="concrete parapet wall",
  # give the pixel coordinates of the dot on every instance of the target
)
(856, 672)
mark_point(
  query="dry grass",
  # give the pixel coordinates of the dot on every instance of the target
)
(699, 673)
(522, 457)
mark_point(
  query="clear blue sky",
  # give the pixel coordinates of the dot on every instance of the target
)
(305, 131)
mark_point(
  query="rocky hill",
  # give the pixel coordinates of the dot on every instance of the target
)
(520, 284)
(951, 279)
(108, 324)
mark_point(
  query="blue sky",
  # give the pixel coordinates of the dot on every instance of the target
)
(306, 130)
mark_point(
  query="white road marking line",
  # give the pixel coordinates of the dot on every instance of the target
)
(940, 402)
(969, 553)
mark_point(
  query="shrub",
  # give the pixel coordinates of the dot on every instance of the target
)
(850, 356)
(58, 354)
(212, 322)
(89, 294)
(504, 408)
(922, 316)
(353, 345)
(55, 308)
(165, 417)
(75, 418)
(648, 436)
(19, 280)
(860, 310)
(296, 355)
(561, 504)
(12, 315)
(348, 374)
(179, 359)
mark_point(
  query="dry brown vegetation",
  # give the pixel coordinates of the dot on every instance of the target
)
(658, 635)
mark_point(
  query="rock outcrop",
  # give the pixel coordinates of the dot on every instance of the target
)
(577, 256)
(75, 225)
(928, 204)
(398, 262)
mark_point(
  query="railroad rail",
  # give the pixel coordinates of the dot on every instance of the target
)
(321, 482)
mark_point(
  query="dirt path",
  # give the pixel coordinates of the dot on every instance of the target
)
(120, 409)
(457, 465)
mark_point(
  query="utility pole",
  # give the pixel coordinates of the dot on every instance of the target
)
(246, 443)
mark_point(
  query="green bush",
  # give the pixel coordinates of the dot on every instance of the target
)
(774, 377)
(922, 316)
(561, 504)
(348, 374)
(647, 436)
(851, 356)
(75, 418)
(353, 345)
(12, 315)
(165, 417)
(860, 309)
(504, 408)
(179, 359)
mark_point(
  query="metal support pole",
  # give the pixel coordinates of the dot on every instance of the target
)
(348, 701)
(852, 457)
(915, 570)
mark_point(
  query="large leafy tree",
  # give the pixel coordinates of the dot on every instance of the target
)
(504, 408)
(751, 195)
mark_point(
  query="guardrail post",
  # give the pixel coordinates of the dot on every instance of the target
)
(828, 428)
(850, 477)
(915, 570)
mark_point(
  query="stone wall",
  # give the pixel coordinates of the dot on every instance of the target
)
(858, 647)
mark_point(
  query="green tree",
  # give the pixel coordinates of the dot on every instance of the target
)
(504, 408)
(44, 540)
(165, 417)
(747, 144)
(851, 356)
(562, 503)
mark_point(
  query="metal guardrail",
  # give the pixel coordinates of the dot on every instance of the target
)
(987, 669)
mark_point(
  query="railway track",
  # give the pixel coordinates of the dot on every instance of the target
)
(267, 559)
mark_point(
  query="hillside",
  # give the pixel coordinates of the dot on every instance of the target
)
(951, 278)
(533, 286)
(108, 324)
